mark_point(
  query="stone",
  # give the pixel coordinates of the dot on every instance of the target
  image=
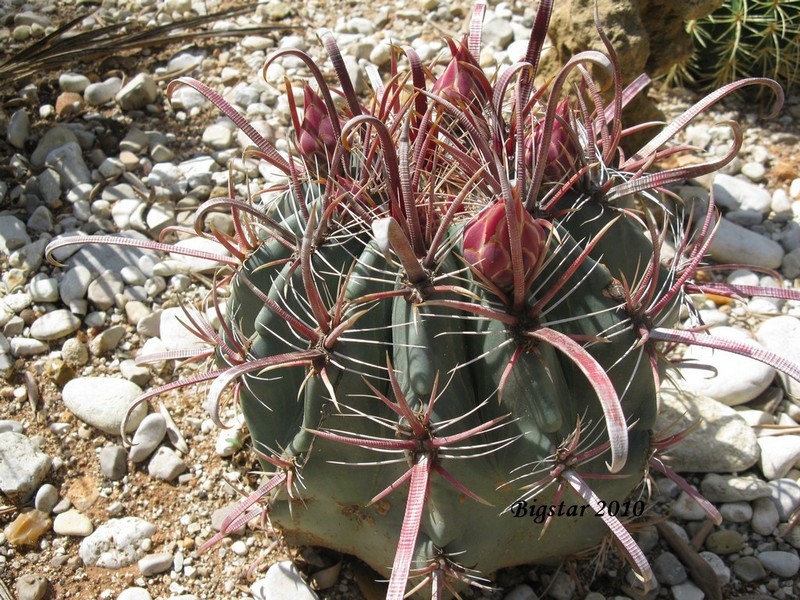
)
(72, 523)
(735, 193)
(732, 488)
(67, 161)
(103, 402)
(282, 581)
(152, 564)
(46, 498)
(135, 593)
(116, 544)
(498, 33)
(736, 512)
(200, 265)
(218, 137)
(735, 244)
(687, 590)
(724, 541)
(790, 267)
(138, 92)
(785, 494)
(19, 128)
(27, 528)
(74, 352)
(55, 325)
(22, 467)
(43, 288)
(719, 567)
(147, 437)
(724, 376)
(522, 592)
(174, 334)
(782, 335)
(103, 290)
(113, 462)
(52, 139)
(12, 234)
(783, 564)
(668, 569)
(166, 465)
(687, 509)
(778, 455)
(102, 92)
(218, 518)
(765, 516)
(32, 587)
(107, 340)
(722, 442)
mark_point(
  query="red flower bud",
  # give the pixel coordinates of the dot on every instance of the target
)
(487, 247)
(317, 138)
(462, 82)
(562, 153)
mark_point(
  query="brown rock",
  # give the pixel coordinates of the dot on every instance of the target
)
(83, 493)
(27, 528)
(68, 104)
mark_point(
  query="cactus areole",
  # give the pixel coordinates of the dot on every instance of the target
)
(445, 331)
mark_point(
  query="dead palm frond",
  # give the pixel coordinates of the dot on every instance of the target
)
(66, 46)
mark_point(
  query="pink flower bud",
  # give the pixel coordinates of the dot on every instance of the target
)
(462, 82)
(317, 138)
(487, 246)
(562, 153)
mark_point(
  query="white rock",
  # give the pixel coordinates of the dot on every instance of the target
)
(723, 441)
(778, 455)
(735, 244)
(724, 376)
(54, 325)
(783, 564)
(174, 333)
(736, 512)
(732, 488)
(73, 82)
(147, 437)
(22, 468)
(200, 265)
(685, 508)
(719, 567)
(282, 581)
(785, 494)
(218, 136)
(74, 284)
(782, 336)
(103, 402)
(72, 523)
(134, 593)
(102, 92)
(736, 193)
(138, 92)
(152, 564)
(166, 465)
(43, 288)
(116, 544)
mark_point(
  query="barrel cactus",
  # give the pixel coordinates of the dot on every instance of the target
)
(453, 316)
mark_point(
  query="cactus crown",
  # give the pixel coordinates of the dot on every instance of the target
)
(455, 308)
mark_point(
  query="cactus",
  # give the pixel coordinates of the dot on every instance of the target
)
(454, 314)
(744, 38)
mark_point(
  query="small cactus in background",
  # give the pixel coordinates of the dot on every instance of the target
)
(455, 314)
(744, 38)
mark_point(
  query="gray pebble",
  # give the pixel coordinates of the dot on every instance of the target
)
(166, 465)
(31, 587)
(668, 569)
(103, 290)
(10, 425)
(153, 564)
(749, 569)
(19, 128)
(147, 437)
(107, 340)
(736, 512)
(783, 564)
(12, 234)
(97, 94)
(521, 592)
(113, 462)
(282, 581)
(46, 498)
(719, 567)
(732, 488)
(687, 591)
(67, 161)
(765, 516)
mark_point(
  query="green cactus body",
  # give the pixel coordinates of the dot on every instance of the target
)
(447, 358)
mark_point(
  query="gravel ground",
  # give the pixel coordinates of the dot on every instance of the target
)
(60, 332)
